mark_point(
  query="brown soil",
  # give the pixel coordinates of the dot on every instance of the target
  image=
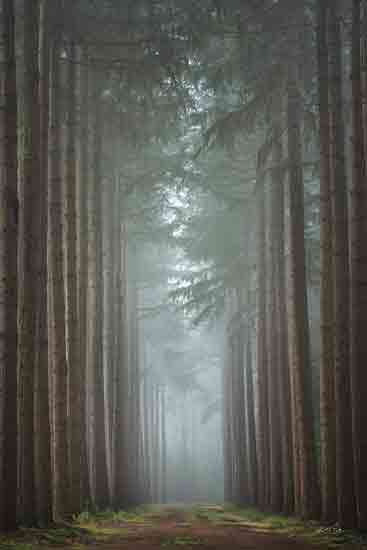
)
(172, 531)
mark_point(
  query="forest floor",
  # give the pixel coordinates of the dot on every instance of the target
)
(178, 527)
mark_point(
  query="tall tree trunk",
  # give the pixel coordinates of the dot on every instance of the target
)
(121, 445)
(344, 450)
(239, 418)
(164, 445)
(227, 440)
(327, 379)
(274, 365)
(134, 382)
(101, 478)
(110, 327)
(9, 275)
(280, 328)
(57, 313)
(250, 404)
(83, 272)
(358, 225)
(74, 375)
(147, 435)
(262, 371)
(43, 472)
(301, 364)
(30, 234)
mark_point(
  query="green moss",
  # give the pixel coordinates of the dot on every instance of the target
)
(188, 542)
(312, 532)
(105, 527)
(56, 535)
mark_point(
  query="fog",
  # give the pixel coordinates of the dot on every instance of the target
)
(184, 362)
(183, 274)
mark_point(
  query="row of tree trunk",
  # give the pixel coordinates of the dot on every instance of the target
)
(74, 416)
(274, 461)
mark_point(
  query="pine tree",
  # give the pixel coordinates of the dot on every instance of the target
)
(9, 275)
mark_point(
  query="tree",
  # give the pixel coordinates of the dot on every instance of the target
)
(9, 276)
(30, 212)
(42, 428)
(100, 458)
(327, 366)
(57, 314)
(75, 379)
(262, 369)
(299, 329)
(83, 178)
(344, 448)
(358, 227)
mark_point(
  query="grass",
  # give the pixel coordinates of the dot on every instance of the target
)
(99, 527)
(56, 535)
(311, 531)
(180, 541)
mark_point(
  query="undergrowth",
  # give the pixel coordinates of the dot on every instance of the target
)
(93, 527)
(313, 532)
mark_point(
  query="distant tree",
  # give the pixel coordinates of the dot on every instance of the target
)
(262, 367)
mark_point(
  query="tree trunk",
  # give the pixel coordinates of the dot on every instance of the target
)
(253, 473)
(30, 210)
(280, 328)
(74, 375)
(274, 364)
(301, 364)
(57, 314)
(358, 225)
(109, 326)
(344, 450)
(83, 272)
(262, 370)
(227, 440)
(121, 405)
(101, 478)
(9, 275)
(43, 472)
(164, 445)
(327, 379)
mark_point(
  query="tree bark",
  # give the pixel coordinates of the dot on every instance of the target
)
(301, 365)
(262, 369)
(74, 374)
(30, 212)
(280, 328)
(358, 226)
(275, 441)
(253, 473)
(327, 378)
(9, 275)
(57, 313)
(101, 478)
(344, 449)
(83, 271)
(43, 471)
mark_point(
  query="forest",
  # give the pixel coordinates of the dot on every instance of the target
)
(183, 258)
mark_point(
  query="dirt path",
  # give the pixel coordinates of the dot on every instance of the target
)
(181, 529)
